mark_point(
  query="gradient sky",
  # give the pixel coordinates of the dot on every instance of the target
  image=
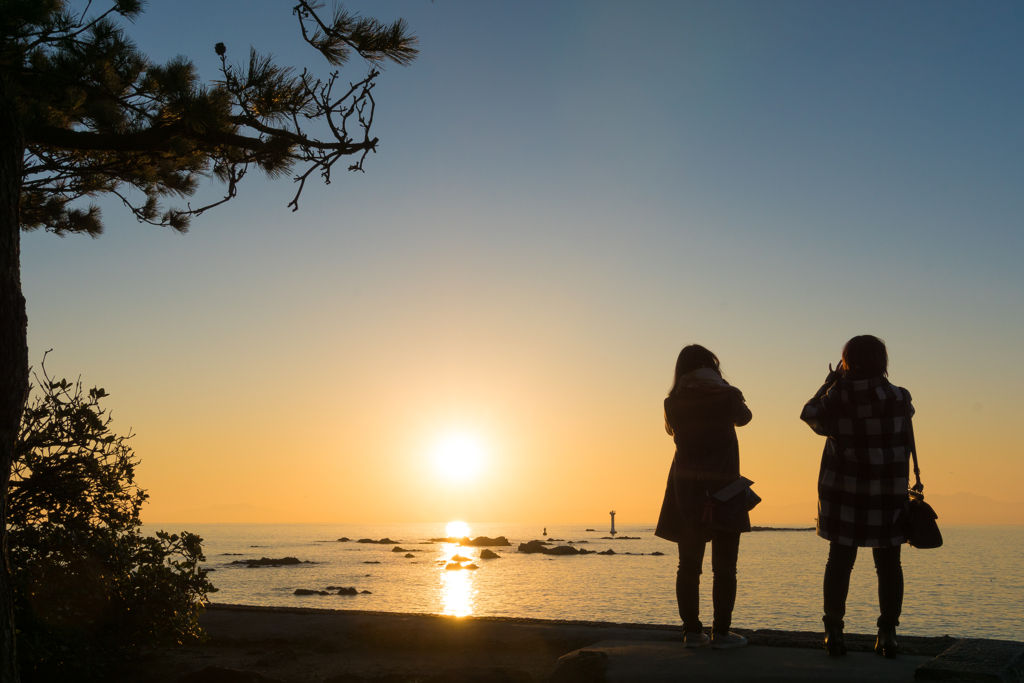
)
(566, 194)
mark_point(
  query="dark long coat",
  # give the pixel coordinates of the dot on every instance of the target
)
(703, 425)
(862, 483)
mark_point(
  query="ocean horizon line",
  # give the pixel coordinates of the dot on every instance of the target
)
(652, 524)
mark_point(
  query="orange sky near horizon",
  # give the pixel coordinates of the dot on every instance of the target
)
(555, 448)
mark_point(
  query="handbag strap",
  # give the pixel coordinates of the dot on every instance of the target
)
(919, 487)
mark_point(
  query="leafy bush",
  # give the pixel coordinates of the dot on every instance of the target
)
(89, 588)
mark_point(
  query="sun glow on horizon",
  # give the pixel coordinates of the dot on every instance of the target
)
(458, 458)
(456, 529)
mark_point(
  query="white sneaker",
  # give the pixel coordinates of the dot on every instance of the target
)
(695, 640)
(728, 642)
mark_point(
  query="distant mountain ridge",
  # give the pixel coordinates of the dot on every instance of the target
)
(970, 508)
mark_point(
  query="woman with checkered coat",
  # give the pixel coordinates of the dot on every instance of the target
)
(862, 483)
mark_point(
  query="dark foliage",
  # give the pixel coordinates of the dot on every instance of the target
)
(84, 113)
(89, 588)
(100, 118)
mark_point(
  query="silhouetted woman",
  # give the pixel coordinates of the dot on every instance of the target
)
(862, 484)
(702, 412)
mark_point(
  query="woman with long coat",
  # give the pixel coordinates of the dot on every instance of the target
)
(702, 412)
(862, 483)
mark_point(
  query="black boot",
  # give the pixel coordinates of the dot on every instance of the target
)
(886, 644)
(834, 643)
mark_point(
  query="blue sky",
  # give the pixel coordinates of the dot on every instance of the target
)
(565, 194)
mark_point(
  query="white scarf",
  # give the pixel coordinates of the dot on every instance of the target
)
(705, 379)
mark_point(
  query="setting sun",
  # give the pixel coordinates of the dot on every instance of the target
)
(456, 530)
(458, 458)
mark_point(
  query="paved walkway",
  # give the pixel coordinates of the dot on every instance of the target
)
(653, 661)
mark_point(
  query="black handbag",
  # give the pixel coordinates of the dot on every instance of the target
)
(728, 503)
(921, 529)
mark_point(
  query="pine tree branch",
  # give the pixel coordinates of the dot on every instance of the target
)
(159, 140)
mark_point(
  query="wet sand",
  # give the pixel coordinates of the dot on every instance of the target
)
(341, 646)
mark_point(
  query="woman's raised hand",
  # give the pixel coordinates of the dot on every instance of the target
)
(836, 374)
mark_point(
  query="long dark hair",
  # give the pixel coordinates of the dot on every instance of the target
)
(865, 356)
(693, 357)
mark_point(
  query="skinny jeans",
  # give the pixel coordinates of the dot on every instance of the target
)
(840, 563)
(725, 548)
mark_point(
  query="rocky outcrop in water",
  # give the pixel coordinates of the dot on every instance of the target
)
(340, 590)
(482, 541)
(272, 562)
(539, 547)
(531, 547)
(478, 542)
(383, 541)
(486, 554)
(455, 566)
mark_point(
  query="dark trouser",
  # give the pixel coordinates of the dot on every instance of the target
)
(837, 583)
(725, 548)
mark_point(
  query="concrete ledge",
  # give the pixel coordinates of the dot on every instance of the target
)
(627, 661)
(581, 666)
(976, 659)
(372, 644)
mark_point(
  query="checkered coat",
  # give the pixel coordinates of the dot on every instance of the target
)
(862, 484)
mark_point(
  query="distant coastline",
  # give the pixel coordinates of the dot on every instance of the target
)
(781, 528)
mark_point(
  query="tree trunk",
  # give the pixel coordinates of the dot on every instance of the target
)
(13, 351)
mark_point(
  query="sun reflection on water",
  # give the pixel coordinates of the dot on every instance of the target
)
(457, 592)
(458, 589)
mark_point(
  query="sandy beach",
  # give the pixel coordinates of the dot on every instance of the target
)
(337, 646)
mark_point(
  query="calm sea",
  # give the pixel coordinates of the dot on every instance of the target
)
(973, 586)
